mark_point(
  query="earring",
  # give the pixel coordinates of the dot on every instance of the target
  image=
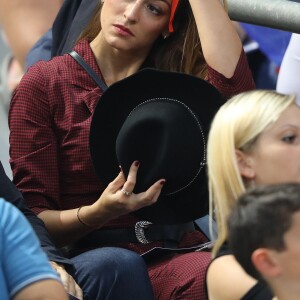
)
(165, 36)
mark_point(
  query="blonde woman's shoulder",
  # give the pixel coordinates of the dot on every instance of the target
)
(226, 280)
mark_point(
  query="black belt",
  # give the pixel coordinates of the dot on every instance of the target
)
(144, 233)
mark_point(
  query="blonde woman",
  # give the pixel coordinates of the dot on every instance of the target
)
(254, 140)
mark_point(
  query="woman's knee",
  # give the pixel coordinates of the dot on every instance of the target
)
(108, 259)
(109, 273)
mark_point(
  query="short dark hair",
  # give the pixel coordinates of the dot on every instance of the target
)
(260, 218)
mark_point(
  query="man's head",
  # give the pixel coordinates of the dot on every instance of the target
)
(264, 232)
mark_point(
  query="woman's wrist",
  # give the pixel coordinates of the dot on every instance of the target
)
(85, 217)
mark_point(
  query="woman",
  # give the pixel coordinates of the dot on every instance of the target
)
(258, 134)
(53, 106)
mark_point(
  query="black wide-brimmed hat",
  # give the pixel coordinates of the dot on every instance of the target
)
(162, 120)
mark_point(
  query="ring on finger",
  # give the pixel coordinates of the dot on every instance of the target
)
(126, 193)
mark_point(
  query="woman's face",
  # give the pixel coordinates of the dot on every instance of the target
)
(275, 157)
(134, 25)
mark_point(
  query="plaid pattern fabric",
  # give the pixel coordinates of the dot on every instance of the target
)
(241, 80)
(180, 277)
(49, 120)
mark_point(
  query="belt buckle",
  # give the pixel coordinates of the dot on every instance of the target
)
(139, 231)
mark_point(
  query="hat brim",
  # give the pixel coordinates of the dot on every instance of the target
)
(115, 105)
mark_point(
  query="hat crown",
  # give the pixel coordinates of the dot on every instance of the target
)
(166, 137)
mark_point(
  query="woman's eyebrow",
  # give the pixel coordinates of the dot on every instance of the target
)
(166, 1)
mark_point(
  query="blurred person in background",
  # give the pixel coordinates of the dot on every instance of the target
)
(22, 23)
(265, 48)
(288, 77)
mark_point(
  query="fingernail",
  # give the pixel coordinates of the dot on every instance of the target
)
(137, 163)
(121, 170)
(162, 182)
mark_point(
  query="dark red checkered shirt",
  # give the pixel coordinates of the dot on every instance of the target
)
(49, 120)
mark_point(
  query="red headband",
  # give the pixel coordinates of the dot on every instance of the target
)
(173, 10)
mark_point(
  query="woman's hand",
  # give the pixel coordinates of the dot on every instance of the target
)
(68, 226)
(118, 198)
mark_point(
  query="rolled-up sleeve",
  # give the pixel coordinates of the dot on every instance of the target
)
(241, 81)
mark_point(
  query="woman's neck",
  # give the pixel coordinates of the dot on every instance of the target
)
(287, 291)
(113, 63)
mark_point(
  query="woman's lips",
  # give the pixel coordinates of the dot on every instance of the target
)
(123, 30)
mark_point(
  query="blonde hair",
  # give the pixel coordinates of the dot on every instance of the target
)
(237, 125)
